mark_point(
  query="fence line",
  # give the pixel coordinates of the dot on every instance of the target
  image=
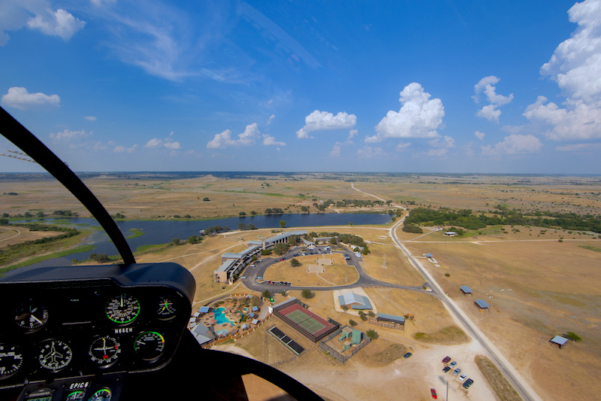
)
(338, 355)
(388, 325)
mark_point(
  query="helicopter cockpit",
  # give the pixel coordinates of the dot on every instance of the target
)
(109, 332)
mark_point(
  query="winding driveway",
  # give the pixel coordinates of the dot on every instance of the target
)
(252, 273)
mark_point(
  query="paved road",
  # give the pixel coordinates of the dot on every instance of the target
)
(252, 273)
(525, 391)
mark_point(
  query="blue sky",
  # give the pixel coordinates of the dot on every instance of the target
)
(398, 86)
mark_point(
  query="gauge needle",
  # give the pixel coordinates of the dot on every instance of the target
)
(122, 301)
(36, 319)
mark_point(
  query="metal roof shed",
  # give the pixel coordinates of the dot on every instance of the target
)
(466, 290)
(428, 255)
(481, 304)
(204, 309)
(383, 317)
(559, 341)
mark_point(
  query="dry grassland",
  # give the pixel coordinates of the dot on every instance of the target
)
(381, 353)
(430, 315)
(555, 288)
(496, 379)
(337, 274)
(16, 235)
(398, 269)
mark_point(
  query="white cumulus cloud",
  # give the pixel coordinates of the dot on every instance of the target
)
(352, 133)
(437, 152)
(38, 15)
(486, 87)
(269, 140)
(247, 138)
(270, 119)
(479, 135)
(592, 147)
(369, 152)
(322, 120)
(68, 135)
(90, 118)
(336, 150)
(402, 146)
(575, 66)
(172, 145)
(514, 144)
(58, 23)
(154, 143)
(419, 116)
(20, 98)
(446, 142)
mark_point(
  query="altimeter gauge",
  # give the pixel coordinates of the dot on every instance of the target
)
(105, 351)
(54, 355)
(11, 359)
(31, 315)
(166, 309)
(122, 309)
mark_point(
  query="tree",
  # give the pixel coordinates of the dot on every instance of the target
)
(352, 322)
(282, 223)
(253, 213)
(226, 228)
(283, 293)
(254, 258)
(281, 249)
(255, 301)
(333, 241)
(192, 240)
(572, 336)
(3, 222)
(350, 223)
(5, 215)
(266, 252)
(372, 334)
(362, 315)
(344, 308)
(307, 293)
(27, 214)
(242, 214)
(40, 214)
(176, 241)
(304, 209)
(293, 240)
(371, 314)
(295, 263)
(251, 227)
(188, 216)
(205, 199)
(266, 294)
(241, 226)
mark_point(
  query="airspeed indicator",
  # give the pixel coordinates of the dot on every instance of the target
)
(122, 309)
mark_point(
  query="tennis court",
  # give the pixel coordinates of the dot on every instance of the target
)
(305, 321)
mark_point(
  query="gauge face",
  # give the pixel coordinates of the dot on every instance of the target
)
(166, 308)
(31, 315)
(122, 309)
(101, 395)
(149, 345)
(75, 395)
(54, 355)
(11, 359)
(105, 351)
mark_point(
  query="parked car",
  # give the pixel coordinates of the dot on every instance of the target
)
(446, 359)
(446, 369)
(433, 392)
(468, 383)
(347, 258)
(452, 364)
(456, 372)
(243, 278)
(462, 377)
(407, 355)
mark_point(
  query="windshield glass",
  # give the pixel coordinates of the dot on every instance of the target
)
(374, 198)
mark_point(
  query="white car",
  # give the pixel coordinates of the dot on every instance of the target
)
(462, 377)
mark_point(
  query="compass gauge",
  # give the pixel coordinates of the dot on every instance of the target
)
(166, 309)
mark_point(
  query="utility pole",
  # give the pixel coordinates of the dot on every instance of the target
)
(447, 399)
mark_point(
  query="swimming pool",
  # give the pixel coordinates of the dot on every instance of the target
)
(221, 318)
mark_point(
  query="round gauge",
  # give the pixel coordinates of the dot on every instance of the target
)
(103, 394)
(31, 316)
(11, 359)
(54, 355)
(122, 309)
(75, 395)
(149, 345)
(104, 351)
(166, 308)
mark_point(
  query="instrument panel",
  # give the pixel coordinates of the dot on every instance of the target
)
(57, 324)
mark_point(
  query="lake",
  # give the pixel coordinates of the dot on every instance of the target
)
(163, 231)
